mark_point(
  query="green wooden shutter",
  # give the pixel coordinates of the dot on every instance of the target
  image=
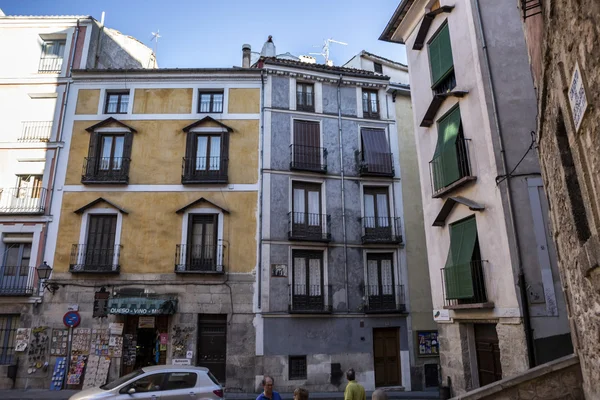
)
(457, 273)
(440, 56)
(445, 159)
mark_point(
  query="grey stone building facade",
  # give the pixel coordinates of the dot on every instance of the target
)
(331, 292)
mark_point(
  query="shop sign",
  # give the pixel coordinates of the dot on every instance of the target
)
(141, 306)
(116, 328)
(441, 315)
(182, 361)
(577, 96)
(146, 322)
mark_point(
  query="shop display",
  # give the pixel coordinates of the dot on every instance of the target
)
(428, 343)
(59, 343)
(129, 350)
(37, 352)
(116, 328)
(58, 375)
(76, 369)
(81, 341)
(99, 344)
(115, 346)
(22, 339)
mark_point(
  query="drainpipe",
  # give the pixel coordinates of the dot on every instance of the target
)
(260, 195)
(517, 247)
(341, 140)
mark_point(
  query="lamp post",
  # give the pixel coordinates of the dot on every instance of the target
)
(44, 271)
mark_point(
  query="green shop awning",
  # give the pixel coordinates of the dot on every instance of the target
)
(142, 305)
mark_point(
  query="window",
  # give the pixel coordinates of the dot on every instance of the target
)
(116, 102)
(181, 380)
(376, 158)
(108, 158)
(27, 197)
(307, 220)
(111, 152)
(297, 365)
(370, 104)
(380, 288)
(440, 60)
(100, 252)
(450, 161)
(8, 330)
(306, 151)
(210, 102)
(205, 161)
(305, 97)
(201, 251)
(378, 68)
(29, 186)
(307, 281)
(377, 223)
(148, 383)
(463, 275)
(52, 56)
(14, 274)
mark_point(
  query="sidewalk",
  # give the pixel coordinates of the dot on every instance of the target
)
(37, 394)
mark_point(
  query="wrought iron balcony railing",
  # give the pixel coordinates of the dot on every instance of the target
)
(105, 170)
(30, 200)
(200, 258)
(464, 285)
(309, 227)
(384, 299)
(204, 170)
(35, 131)
(310, 299)
(50, 64)
(373, 163)
(308, 158)
(451, 169)
(381, 230)
(17, 281)
(92, 259)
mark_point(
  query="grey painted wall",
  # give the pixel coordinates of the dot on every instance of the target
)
(280, 92)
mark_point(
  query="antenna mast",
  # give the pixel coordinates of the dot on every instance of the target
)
(155, 36)
(325, 50)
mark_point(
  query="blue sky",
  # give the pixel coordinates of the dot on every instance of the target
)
(204, 33)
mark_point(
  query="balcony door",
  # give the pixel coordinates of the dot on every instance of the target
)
(14, 274)
(100, 244)
(381, 293)
(306, 204)
(377, 213)
(28, 194)
(307, 278)
(208, 153)
(111, 153)
(202, 242)
(307, 145)
(376, 155)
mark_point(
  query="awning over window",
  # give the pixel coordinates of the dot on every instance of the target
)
(457, 273)
(445, 158)
(142, 305)
(376, 152)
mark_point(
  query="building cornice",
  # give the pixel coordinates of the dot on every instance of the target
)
(325, 77)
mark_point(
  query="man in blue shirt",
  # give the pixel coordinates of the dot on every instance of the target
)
(268, 392)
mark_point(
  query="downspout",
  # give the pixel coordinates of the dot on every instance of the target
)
(260, 193)
(341, 147)
(517, 247)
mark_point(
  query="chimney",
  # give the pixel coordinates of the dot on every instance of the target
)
(268, 49)
(246, 55)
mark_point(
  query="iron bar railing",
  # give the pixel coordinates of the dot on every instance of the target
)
(375, 163)
(305, 101)
(29, 200)
(105, 170)
(309, 227)
(381, 230)
(204, 170)
(308, 158)
(191, 258)
(92, 259)
(17, 281)
(384, 298)
(450, 167)
(310, 299)
(464, 284)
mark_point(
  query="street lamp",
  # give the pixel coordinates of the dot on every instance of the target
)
(44, 271)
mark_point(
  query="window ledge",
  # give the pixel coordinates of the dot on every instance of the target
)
(190, 272)
(473, 306)
(436, 103)
(462, 181)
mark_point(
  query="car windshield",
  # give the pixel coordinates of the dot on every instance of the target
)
(122, 380)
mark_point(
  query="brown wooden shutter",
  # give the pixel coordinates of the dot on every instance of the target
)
(307, 143)
(376, 152)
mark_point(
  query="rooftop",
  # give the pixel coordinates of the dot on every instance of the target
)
(395, 21)
(323, 68)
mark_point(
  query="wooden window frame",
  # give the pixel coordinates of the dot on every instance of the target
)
(378, 67)
(307, 255)
(194, 150)
(190, 228)
(120, 95)
(305, 107)
(369, 113)
(306, 186)
(374, 191)
(99, 152)
(379, 257)
(212, 94)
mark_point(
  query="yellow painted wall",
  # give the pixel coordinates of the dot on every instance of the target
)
(152, 229)
(87, 101)
(162, 101)
(244, 101)
(159, 147)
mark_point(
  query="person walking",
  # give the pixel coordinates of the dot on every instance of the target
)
(300, 394)
(268, 392)
(354, 390)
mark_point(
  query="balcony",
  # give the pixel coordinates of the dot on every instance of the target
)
(450, 169)
(204, 170)
(373, 163)
(105, 170)
(384, 299)
(17, 281)
(35, 131)
(381, 230)
(95, 260)
(309, 227)
(308, 158)
(305, 101)
(50, 65)
(31, 200)
(464, 286)
(310, 299)
(198, 259)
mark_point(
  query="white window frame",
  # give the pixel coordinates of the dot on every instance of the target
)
(391, 203)
(104, 94)
(324, 266)
(395, 270)
(83, 232)
(320, 121)
(321, 182)
(204, 210)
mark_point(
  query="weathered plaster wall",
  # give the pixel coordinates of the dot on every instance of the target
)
(118, 50)
(280, 92)
(152, 229)
(162, 101)
(244, 101)
(87, 101)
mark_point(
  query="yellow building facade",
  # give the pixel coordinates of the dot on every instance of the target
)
(158, 192)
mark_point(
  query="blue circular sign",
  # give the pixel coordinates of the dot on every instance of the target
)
(71, 319)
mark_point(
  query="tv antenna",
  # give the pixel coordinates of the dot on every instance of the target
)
(155, 36)
(325, 50)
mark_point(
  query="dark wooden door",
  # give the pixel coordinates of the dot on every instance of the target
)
(386, 356)
(100, 248)
(212, 344)
(307, 145)
(488, 354)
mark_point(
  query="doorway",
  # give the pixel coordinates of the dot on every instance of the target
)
(386, 356)
(141, 342)
(488, 354)
(212, 344)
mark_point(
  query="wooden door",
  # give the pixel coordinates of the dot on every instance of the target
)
(212, 344)
(488, 354)
(386, 356)
(307, 145)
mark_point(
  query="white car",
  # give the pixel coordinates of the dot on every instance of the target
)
(162, 382)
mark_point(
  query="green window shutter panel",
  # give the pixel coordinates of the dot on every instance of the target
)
(445, 159)
(440, 55)
(458, 272)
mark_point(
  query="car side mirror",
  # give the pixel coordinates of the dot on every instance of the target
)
(131, 391)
